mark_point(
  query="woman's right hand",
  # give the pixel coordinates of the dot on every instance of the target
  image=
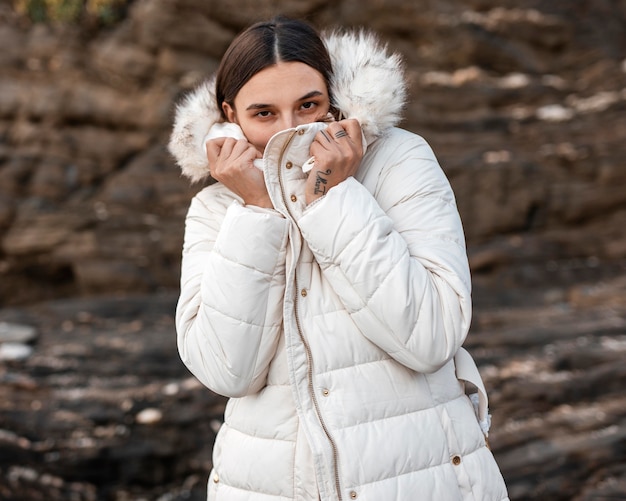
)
(231, 163)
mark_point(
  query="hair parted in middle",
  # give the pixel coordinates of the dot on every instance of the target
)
(264, 44)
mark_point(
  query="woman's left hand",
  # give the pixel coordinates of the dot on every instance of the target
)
(338, 151)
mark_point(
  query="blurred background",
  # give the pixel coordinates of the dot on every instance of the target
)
(524, 103)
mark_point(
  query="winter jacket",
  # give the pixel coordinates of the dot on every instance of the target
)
(334, 327)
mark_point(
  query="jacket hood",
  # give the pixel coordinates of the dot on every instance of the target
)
(368, 84)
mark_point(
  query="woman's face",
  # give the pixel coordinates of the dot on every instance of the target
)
(278, 97)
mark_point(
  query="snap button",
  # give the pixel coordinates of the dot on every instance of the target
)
(303, 292)
(325, 392)
(294, 198)
(456, 460)
(216, 478)
(353, 495)
(289, 165)
(300, 132)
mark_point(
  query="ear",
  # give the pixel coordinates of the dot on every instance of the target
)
(230, 113)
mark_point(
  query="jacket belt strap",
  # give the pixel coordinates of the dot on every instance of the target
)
(466, 370)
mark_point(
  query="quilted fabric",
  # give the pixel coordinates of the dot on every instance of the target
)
(333, 327)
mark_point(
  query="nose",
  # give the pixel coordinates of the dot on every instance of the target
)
(288, 121)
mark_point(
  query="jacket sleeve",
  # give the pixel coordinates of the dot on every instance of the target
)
(397, 257)
(229, 313)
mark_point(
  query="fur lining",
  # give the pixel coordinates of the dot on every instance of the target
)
(194, 117)
(368, 84)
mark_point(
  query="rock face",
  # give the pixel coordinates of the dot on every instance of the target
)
(524, 103)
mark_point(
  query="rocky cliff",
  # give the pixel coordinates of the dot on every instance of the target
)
(524, 103)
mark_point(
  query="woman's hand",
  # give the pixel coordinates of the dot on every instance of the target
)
(338, 151)
(231, 163)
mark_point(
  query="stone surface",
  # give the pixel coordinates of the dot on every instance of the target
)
(524, 103)
(104, 409)
(16, 333)
(14, 351)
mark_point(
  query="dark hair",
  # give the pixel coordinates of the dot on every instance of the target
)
(264, 44)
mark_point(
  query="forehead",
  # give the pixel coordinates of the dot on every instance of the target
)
(281, 82)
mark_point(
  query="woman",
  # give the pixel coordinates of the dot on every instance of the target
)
(330, 305)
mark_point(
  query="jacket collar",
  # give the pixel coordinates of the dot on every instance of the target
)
(368, 84)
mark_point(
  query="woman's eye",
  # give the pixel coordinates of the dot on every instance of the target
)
(308, 105)
(263, 113)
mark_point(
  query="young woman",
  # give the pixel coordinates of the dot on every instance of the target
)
(325, 286)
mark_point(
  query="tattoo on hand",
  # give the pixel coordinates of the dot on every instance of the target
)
(320, 181)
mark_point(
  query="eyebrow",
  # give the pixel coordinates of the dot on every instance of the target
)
(259, 106)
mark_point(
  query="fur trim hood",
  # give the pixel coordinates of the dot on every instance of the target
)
(368, 84)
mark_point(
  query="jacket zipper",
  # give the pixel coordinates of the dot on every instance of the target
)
(305, 343)
(309, 357)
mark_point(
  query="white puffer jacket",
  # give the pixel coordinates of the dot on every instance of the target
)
(334, 327)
